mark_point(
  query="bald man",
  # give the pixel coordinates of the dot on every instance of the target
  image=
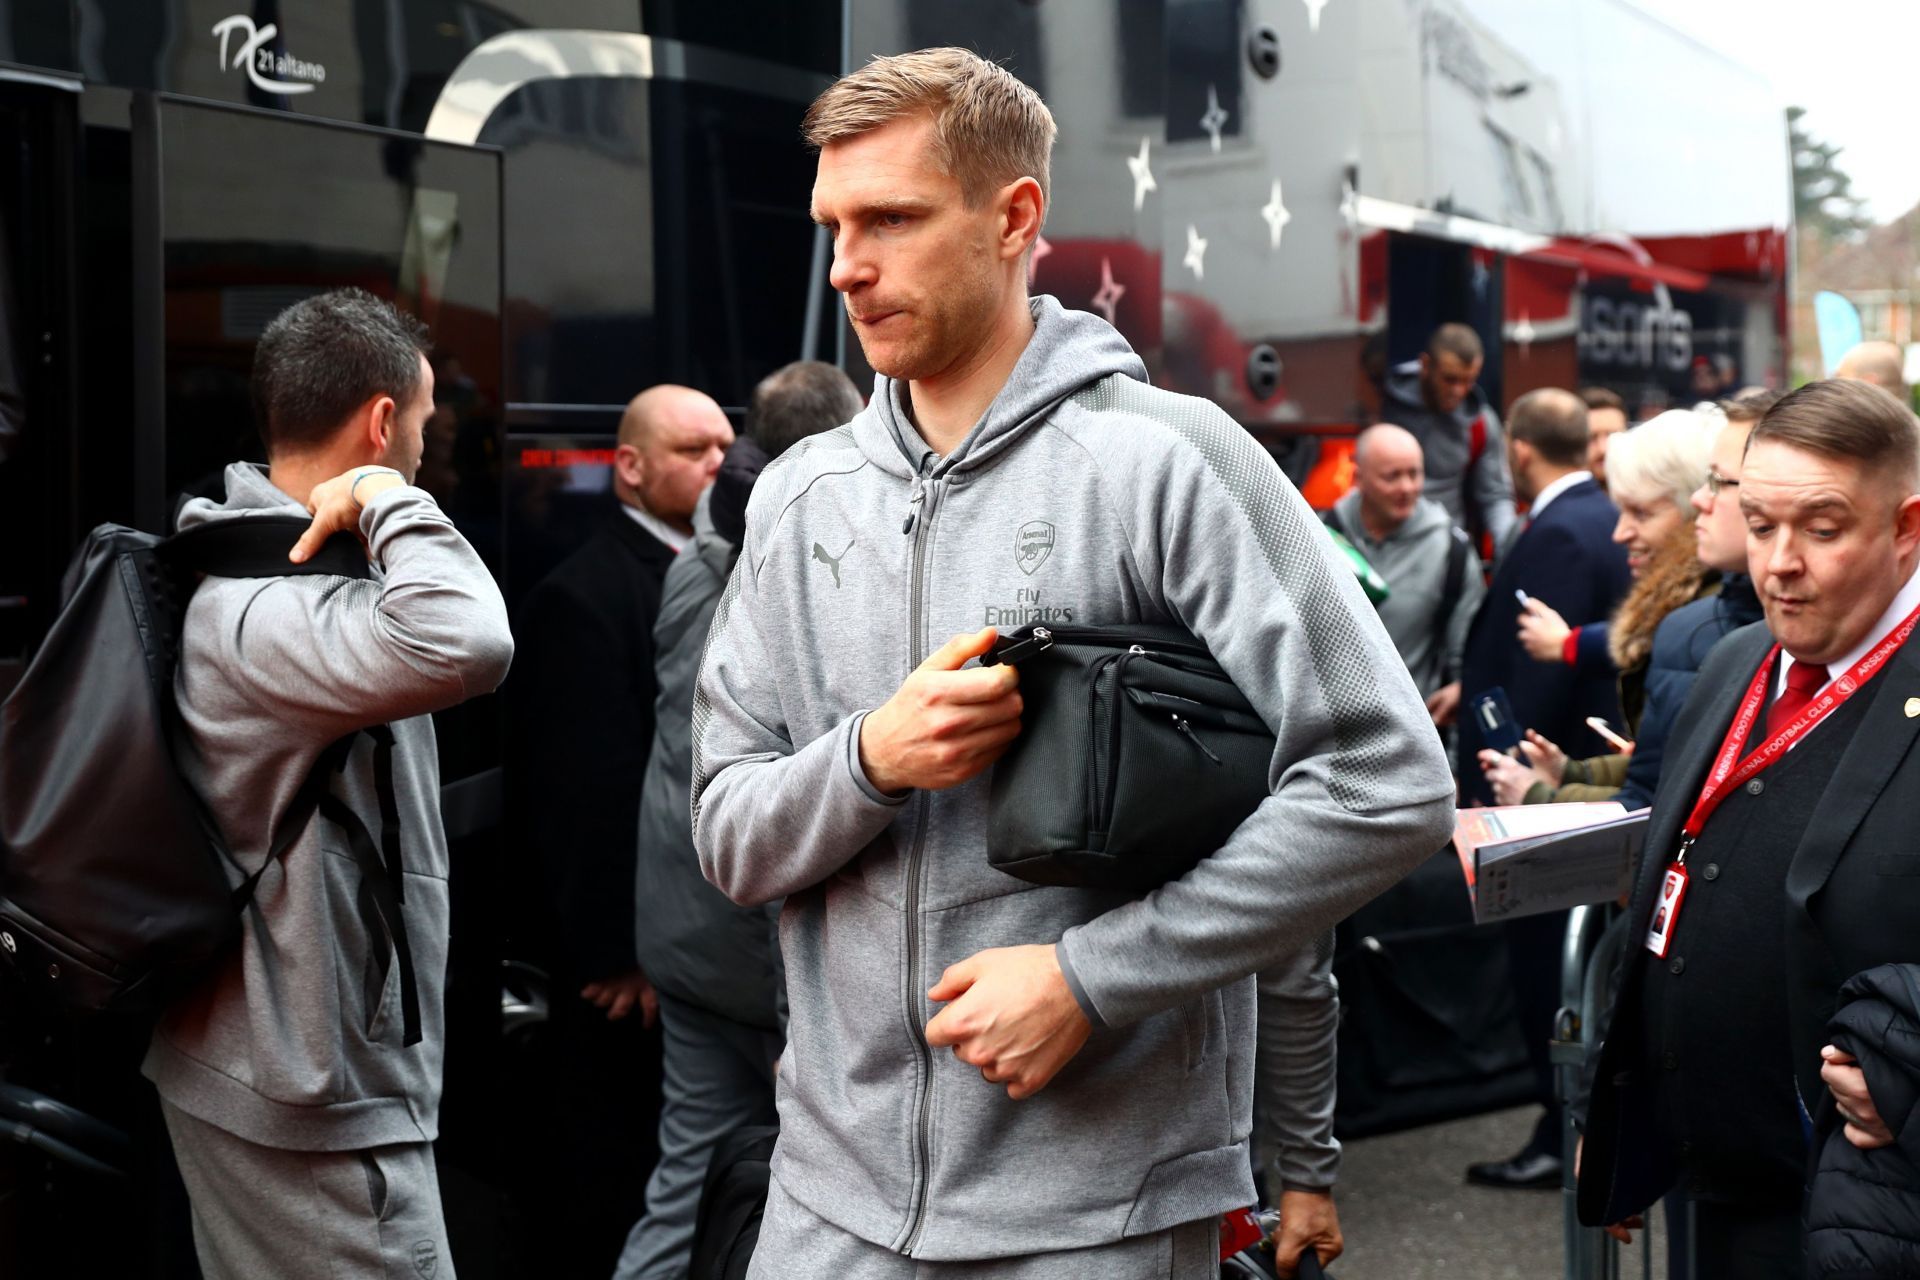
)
(1880, 363)
(582, 719)
(1433, 577)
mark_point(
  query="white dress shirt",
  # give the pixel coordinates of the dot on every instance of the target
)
(657, 527)
(1554, 490)
(1903, 604)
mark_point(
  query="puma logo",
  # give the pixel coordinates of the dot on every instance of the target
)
(833, 562)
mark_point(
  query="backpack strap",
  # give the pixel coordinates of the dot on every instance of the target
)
(257, 547)
(383, 868)
(1456, 579)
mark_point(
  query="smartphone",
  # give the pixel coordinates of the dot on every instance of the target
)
(1498, 729)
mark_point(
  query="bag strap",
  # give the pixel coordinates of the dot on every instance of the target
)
(1456, 579)
(384, 870)
(257, 547)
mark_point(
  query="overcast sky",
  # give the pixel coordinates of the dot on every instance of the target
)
(1853, 64)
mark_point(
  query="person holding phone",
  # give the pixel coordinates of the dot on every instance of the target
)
(1566, 558)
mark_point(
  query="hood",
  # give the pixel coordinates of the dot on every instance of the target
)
(1402, 387)
(1068, 351)
(1427, 516)
(248, 493)
(727, 497)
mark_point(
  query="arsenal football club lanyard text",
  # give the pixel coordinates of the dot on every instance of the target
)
(1731, 770)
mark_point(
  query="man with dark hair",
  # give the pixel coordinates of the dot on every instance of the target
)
(715, 965)
(582, 711)
(1779, 845)
(1438, 399)
(301, 1079)
(1606, 418)
(1564, 557)
(985, 1077)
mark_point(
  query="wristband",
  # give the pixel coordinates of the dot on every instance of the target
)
(353, 490)
(1569, 648)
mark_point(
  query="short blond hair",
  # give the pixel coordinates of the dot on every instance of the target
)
(1664, 457)
(989, 129)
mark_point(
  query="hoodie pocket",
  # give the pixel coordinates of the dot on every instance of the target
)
(362, 948)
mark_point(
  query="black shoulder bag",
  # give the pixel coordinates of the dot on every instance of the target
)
(1136, 759)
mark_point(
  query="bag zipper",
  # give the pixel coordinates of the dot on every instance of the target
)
(1107, 778)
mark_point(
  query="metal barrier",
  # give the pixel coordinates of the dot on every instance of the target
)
(1595, 937)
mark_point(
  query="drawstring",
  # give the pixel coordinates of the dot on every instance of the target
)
(918, 495)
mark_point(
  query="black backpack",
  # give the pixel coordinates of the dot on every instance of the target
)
(113, 885)
(732, 1203)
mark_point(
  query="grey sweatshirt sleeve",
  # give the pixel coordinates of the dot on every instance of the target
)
(429, 634)
(1473, 589)
(1361, 793)
(1294, 1069)
(770, 819)
(1493, 484)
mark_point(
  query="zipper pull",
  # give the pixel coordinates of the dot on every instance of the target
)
(1038, 641)
(1181, 724)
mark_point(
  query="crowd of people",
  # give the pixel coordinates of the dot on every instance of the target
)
(753, 709)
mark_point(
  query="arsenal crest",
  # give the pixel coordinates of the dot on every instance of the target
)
(1032, 544)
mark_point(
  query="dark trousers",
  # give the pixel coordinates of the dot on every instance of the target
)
(1738, 1242)
(1534, 944)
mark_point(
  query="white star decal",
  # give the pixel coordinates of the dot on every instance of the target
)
(1313, 12)
(1196, 259)
(1040, 250)
(1107, 301)
(1523, 333)
(1142, 176)
(1350, 205)
(1215, 120)
(1276, 214)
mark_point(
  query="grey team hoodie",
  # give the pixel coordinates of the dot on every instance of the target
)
(295, 1040)
(1083, 495)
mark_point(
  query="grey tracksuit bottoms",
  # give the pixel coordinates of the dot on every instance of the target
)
(717, 1074)
(795, 1244)
(324, 1215)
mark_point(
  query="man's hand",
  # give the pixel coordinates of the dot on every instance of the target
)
(1848, 1085)
(1443, 704)
(943, 725)
(1622, 1230)
(620, 994)
(1543, 632)
(1307, 1220)
(1010, 1013)
(1509, 779)
(1546, 757)
(336, 505)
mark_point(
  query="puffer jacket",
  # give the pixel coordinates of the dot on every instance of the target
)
(1863, 1209)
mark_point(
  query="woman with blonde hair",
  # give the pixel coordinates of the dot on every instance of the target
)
(1652, 472)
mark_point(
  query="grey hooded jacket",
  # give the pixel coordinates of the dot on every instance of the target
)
(294, 1041)
(1082, 495)
(1413, 560)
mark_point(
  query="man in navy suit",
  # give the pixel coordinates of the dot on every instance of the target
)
(1565, 557)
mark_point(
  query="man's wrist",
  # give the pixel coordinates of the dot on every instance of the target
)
(368, 473)
(876, 777)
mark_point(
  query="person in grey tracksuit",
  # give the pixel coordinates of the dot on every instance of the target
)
(982, 1076)
(300, 1080)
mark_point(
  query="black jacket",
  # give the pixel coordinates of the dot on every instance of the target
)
(1852, 897)
(1863, 1211)
(581, 699)
(1567, 559)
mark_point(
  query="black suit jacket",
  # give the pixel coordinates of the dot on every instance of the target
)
(1852, 902)
(1567, 559)
(581, 698)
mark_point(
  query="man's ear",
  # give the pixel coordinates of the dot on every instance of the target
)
(380, 422)
(1906, 524)
(1025, 210)
(629, 466)
(1426, 364)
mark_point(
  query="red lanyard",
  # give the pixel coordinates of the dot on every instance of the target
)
(1725, 776)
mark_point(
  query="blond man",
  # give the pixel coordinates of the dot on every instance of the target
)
(984, 1077)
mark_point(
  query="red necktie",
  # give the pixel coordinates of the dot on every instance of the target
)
(1804, 679)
